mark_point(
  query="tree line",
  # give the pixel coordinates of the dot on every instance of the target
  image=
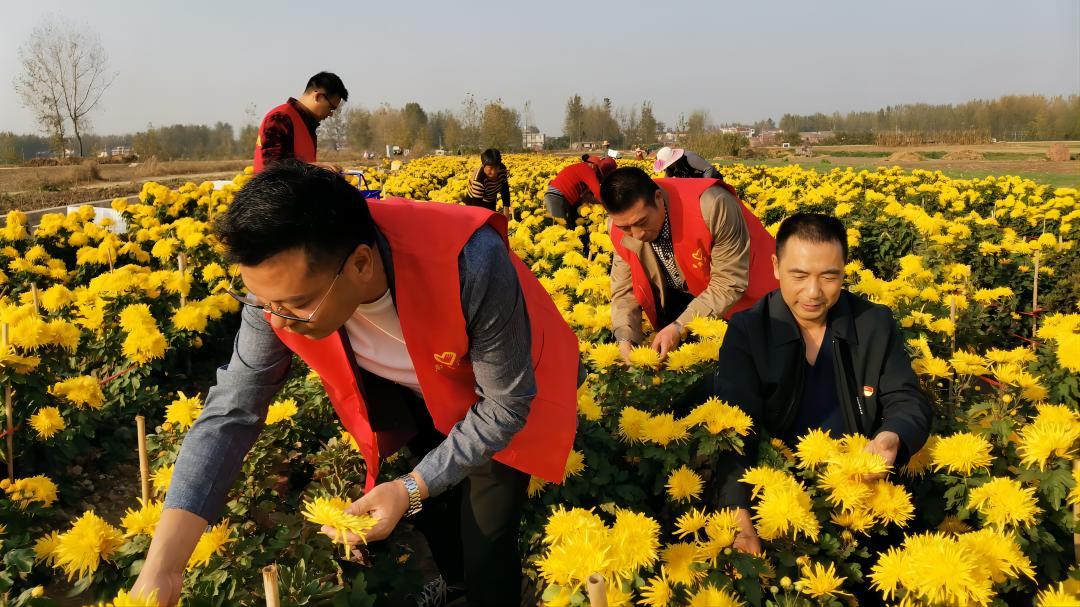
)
(1010, 118)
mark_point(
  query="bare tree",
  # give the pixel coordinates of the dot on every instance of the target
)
(65, 71)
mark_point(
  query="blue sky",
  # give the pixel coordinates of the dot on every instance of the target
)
(196, 61)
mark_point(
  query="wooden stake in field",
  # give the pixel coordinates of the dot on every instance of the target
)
(270, 586)
(144, 460)
(34, 294)
(181, 262)
(10, 411)
(1076, 515)
(1035, 300)
(597, 590)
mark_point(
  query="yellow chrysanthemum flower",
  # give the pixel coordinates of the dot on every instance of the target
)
(644, 356)
(816, 448)
(684, 484)
(143, 520)
(681, 561)
(575, 464)
(961, 453)
(183, 411)
(47, 422)
(80, 391)
(81, 549)
(24, 491)
(280, 411)
(1004, 502)
(330, 512)
(820, 581)
(664, 429)
(212, 542)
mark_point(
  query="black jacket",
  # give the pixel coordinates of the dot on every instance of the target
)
(761, 367)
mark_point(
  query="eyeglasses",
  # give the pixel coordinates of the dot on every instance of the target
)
(253, 302)
(333, 106)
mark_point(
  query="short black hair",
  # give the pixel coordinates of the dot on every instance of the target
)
(812, 227)
(492, 158)
(329, 84)
(294, 204)
(624, 187)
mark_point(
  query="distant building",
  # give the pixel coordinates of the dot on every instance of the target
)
(121, 151)
(533, 141)
(815, 136)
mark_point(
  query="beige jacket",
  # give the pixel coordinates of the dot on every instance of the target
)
(730, 269)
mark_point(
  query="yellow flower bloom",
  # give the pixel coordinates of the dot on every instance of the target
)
(816, 448)
(143, 520)
(961, 453)
(664, 429)
(25, 491)
(575, 464)
(684, 484)
(183, 411)
(644, 356)
(280, 411)
(820, 581)
(657, 591)
(90, 540)
(682, 564)
(212, 542)
(1004, 502)
(47, 422)
(79, 391)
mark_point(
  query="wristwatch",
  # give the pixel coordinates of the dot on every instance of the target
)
(414, 494)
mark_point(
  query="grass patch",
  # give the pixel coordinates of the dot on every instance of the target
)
(1013, 156)
(854, 154)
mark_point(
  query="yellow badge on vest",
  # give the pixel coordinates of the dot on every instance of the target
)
(446, 359)
(868, 391)
(699, 258)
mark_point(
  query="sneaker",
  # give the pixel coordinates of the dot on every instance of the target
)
(437, 593)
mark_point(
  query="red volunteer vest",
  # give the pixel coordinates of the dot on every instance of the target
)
(693, 242)
(425, 240)
(303, 144)
(574, 179)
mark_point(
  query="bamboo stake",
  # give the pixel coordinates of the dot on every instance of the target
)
(144, 461)
(181, 260)
(10, 411)
(270, 586)
(1076, 515)
(34, 294)
(597, 591)
(1035, 300)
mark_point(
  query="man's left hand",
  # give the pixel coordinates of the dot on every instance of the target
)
(666, 340)
(886, 444)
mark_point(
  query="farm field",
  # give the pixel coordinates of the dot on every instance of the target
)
(981, 273)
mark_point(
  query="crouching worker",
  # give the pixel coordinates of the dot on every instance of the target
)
(684, 248)
(426, 330)
(812, 355)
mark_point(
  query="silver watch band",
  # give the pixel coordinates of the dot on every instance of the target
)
(413, 488)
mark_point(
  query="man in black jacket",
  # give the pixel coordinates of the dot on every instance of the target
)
(813, 355)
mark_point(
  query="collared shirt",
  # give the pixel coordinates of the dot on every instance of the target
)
(500, 343)
(665, 252)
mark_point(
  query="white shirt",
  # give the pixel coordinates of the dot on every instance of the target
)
(375, 334)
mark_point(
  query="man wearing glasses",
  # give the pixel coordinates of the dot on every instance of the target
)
(426, 331)
(288, 131)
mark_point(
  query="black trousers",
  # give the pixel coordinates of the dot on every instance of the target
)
(480, 202)
(472, 528)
